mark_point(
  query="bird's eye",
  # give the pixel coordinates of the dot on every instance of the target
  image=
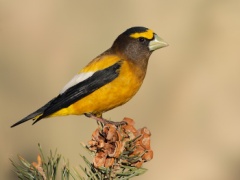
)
(141, 39)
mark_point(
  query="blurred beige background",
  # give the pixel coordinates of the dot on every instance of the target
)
(190, 99)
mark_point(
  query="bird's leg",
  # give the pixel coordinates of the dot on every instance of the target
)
(104, 121)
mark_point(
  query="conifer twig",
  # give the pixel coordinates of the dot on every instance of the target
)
(118, 152)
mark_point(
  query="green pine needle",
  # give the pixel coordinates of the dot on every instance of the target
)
(50, 165)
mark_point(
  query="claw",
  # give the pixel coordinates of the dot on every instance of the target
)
(104, 121)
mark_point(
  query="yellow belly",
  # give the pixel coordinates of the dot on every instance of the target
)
(111, 95)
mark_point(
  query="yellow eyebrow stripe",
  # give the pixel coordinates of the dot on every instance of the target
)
(147, 34)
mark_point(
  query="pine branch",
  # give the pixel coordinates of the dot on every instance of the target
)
(118, 152)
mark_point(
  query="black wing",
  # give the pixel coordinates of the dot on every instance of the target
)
(75, 93)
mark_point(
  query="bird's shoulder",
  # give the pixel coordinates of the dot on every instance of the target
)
(101, 62)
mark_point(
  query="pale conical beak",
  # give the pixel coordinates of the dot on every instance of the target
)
(157, 43)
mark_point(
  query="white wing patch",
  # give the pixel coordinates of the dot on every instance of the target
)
(76, 79)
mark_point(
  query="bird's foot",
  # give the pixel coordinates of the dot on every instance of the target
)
(104, 121)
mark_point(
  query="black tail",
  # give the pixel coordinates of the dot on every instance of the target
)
(36, 116)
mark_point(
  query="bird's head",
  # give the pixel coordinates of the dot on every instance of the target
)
(137, 44)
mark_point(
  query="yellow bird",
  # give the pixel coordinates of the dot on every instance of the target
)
(108, 81)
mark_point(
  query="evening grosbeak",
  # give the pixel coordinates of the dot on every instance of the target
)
(108, 81)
